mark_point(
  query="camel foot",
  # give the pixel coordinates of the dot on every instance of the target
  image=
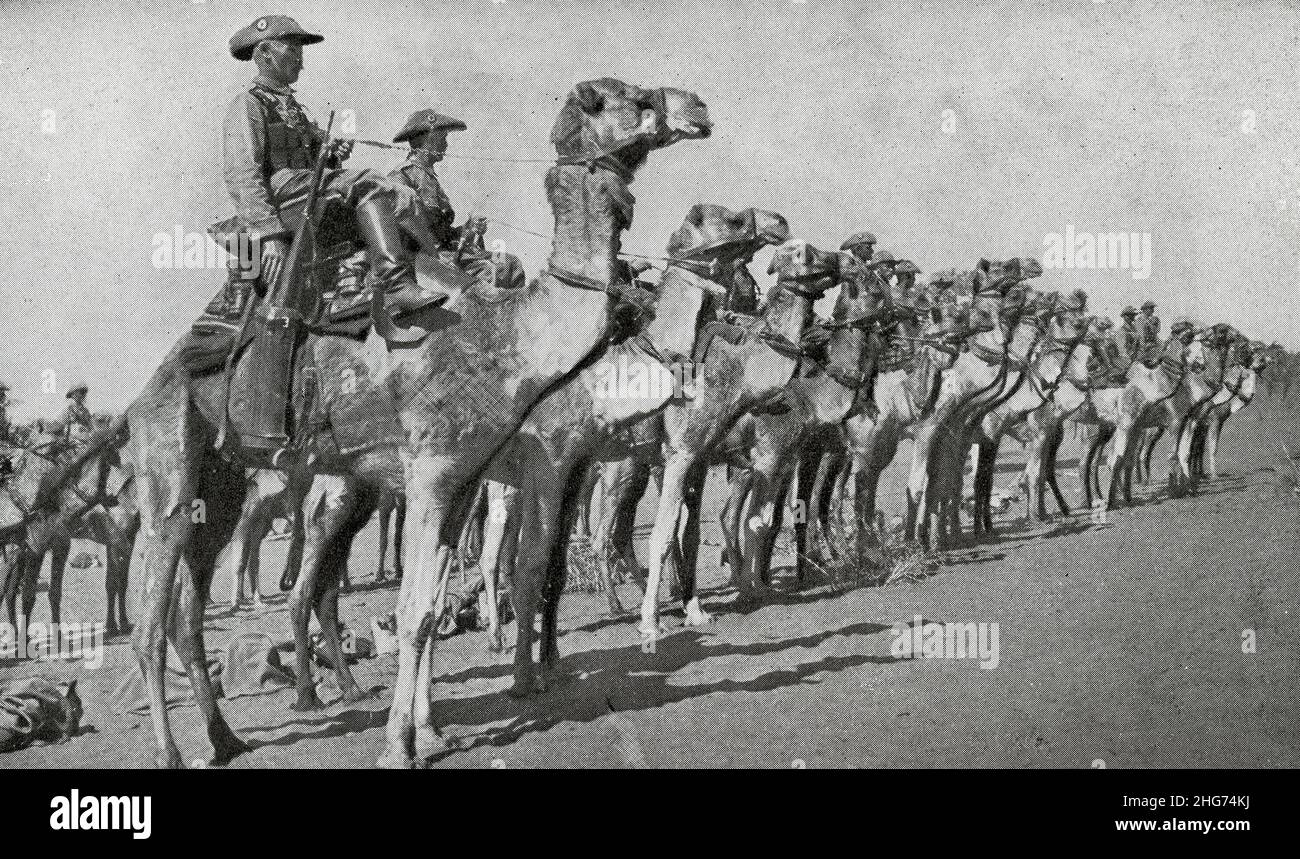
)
(307, 702)
(355, 695)
(652, 630)
(169, 759)
(258, 603)
(615, 607)
(111, 631)
(391, 760)
(521, 688)
(696, 616)
(430, 741)
(496, 642)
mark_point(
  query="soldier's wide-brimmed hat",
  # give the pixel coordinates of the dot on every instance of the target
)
(278, 27)
(424, 121)
(858, 239)
(78, 385)
(1103, 323)
(906, 266)
(1129, 311)
(882, 258)
(1182, 325)
(1148, 303)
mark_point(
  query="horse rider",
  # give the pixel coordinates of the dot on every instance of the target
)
(77, 421)
(270, 149)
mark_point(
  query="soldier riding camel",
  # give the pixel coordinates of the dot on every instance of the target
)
(426, 133)
(77, 421)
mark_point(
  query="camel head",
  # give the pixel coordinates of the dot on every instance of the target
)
(608, 122)
(1258, 356)
(1069, 320)
(803, 269)
(988, 289)
(713, 232)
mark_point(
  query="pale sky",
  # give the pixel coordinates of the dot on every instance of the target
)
(1176, 119)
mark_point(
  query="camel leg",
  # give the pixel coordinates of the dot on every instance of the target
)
(625, 524)
(762, 525)
(1120, 454)
(582, 519)
(663, 537)
(809, 470)
(538, 516)
(1212, 446)
(1032, 477)
(1148, 449)
(917, 524)
(245, 543)
(297, 540)
(985, 465)
(575, 487)
(224, 491)
(419, 602)
(689, 553)
(616, 479)
(821, 499)
(385, 516)
(1055, 436)
(730, 520)
(327, 598)
(327, 507)
(59, 550)
(502, 519)
(117, 572)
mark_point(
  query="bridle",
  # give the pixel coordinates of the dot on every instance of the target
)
(604, 158)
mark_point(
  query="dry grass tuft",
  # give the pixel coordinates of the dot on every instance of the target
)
(889, 560)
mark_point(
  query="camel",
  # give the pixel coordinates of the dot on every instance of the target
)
(547, 459)
(1020, 318)
(737, 378)
(52, 494)
(903, 393)
(1182, 412)
(975, 381)
(272, 494)
(447, 400)
(1117, 414)
(764, 449)
(1237, 393)
(1043, 429)
(1062, 354)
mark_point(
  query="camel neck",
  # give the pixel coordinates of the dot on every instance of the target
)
(682, 296)
(787, 312)
(591, 208)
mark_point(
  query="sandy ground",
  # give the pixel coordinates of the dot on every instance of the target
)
(1119, 641)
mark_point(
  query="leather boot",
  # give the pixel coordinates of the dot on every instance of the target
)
(390, 264)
